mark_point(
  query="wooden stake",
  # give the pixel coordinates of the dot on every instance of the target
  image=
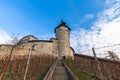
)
(98, 66)
(28, 61)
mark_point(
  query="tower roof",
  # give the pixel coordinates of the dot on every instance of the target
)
(62, 24)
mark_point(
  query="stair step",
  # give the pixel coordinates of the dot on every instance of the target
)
(61, 78)
(60, 72)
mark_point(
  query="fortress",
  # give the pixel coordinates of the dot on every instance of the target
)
(57, 47)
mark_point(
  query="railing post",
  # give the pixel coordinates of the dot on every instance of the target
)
(98, 65)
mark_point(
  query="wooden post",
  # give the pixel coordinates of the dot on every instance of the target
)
(98, 65)
(28, 61)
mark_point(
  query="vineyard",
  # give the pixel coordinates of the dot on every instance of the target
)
(75, 68)
(15, 70)
(86, 65)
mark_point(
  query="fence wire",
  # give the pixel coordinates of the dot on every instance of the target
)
(103, 52)
(108, 65)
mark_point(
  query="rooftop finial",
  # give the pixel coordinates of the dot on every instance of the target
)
(62, 22)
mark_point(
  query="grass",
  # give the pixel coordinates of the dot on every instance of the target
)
(77, 71)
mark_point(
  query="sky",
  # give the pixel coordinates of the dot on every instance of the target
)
(93, 23)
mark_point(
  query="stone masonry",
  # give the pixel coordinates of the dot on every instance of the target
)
(57, 47)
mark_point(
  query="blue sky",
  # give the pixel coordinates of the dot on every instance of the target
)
(40, 17)
(94, 23)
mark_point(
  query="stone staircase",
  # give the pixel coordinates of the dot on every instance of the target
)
(60, 72)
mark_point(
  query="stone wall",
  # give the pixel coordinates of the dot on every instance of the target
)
(110, 69)
(62, 34)
(26, 39)
(18, 50)
(55, 47)
(43, 48)
(5, 49)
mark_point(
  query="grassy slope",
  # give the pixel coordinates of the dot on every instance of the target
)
(77, 71)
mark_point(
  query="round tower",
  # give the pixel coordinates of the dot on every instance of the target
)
(63, 37)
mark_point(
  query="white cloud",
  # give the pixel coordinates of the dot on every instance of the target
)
(105, 31)
(87, 17)
(4, 37)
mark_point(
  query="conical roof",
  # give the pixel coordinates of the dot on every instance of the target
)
(62, 24)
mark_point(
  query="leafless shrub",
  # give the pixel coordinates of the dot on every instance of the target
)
(113, 56)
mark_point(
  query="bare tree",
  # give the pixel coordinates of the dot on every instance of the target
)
(113, 56)
(14, 39)
(14, 42)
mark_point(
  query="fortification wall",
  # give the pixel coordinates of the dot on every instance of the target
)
(71, 55)
(110, 70)
(5, 49)
(26, 39)
(43, 48)
(55, 47)
(18, 50)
